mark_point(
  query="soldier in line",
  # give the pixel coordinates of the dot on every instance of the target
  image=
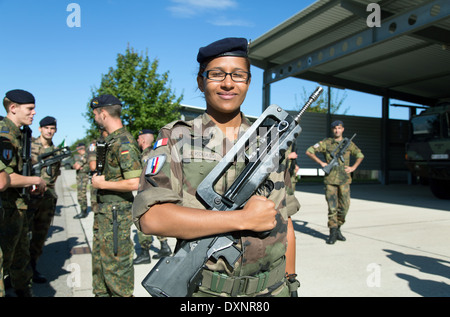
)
(112, 254)
(14, 240)
(166, 203)
(82, 167)
(337, 183)
(145, 140)
(42, 208)
(4, 183)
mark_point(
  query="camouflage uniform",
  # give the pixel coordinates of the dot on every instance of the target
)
(82, 179)
(91, 157)
(14, 239)
(145, 240)
(177, 180)
(337, 183)
(2, 286)
(42, 208)
(113, 275)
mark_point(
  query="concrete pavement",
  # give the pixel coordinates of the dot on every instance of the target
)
(397, 245)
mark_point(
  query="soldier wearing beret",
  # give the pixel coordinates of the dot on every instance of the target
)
(167, 204)
(112, 254)
(14, 228)
(337, 183)
(42, 207)
(4, 183)
(145, 141)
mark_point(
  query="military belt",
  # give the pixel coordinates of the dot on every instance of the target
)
(243, 285)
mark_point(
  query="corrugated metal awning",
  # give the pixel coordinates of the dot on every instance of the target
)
(330, 42)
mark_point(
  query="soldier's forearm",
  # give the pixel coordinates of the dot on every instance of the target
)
(126, 185)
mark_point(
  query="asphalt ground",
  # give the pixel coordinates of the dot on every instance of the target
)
(397, 245)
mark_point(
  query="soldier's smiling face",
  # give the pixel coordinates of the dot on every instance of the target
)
(225, 96)
(24, 113)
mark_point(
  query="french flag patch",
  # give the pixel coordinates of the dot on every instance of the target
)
(160, 142)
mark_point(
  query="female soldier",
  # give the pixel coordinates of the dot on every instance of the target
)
(185, 152)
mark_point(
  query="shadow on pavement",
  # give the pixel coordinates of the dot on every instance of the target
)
(424, 264)
(402, 194)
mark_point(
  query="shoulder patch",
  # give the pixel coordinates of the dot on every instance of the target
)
(7, 150)
(160, 142)
(316, 145)
(155, 164)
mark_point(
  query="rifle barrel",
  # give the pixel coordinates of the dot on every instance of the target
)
(311, 99)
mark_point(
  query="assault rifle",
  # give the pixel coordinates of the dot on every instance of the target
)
(44, 161)
(26, 157)
(338, 153)
(267, 140)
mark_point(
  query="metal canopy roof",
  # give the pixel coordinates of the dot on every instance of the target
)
(330, 42)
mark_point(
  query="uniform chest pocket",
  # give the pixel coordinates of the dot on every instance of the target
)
(197, 165)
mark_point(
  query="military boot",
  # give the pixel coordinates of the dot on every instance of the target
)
(164, 251)
(37, 277)
(339, 235)
(333, 236)
(143, 258)
(81, 215)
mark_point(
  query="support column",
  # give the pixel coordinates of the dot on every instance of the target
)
(385, 141)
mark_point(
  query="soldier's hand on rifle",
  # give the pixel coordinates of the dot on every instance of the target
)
(259, 214)
(39, 187)
(97, 180)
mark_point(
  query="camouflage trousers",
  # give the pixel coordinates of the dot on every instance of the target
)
(15, 244)
(43, 211)
(2, 286)
(146, 240)
(338, 199)
(112, 274)
(82, 182)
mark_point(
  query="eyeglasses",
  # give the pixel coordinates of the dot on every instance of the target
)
(220, 75)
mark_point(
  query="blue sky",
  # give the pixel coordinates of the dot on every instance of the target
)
(61, 64)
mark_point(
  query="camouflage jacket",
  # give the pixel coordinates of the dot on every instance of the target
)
(122, 162)
(337, 175)
(11, 145)
(37, 149)
(184, 153)
(82, 160)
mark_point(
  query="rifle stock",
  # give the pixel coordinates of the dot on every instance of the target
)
(180, 275)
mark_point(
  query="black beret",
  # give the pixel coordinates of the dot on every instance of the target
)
(146, 131)
(230, 46)
(336, 123)
(20, 96)
(47, 121)
(80, 145)
(104, 101)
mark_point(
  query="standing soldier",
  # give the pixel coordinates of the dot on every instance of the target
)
(14, 241)
(42, 208)
(112, 254)
(145, 140)
(82, 167)
(4, 183)
(337, 183)
(167, 203)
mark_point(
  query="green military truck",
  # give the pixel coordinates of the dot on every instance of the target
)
(428, 150)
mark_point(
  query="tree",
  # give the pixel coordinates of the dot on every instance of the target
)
(321, 105)
(147, 100)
